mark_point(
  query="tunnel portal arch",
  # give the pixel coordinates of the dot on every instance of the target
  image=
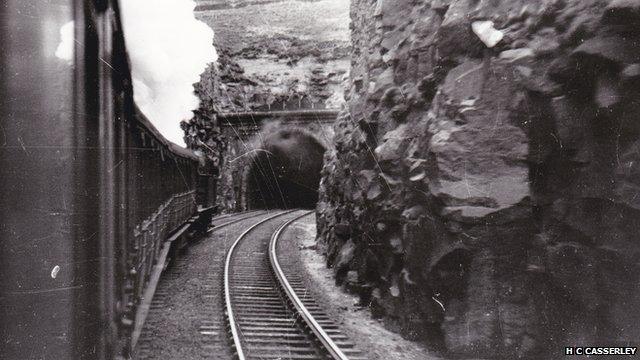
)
(284, 171)
(247, 174)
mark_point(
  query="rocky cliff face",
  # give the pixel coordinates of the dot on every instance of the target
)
(273, 55)
(482, 195)
(295, 53)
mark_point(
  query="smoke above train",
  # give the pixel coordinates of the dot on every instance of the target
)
(168, 49)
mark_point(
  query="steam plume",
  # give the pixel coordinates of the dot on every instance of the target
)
(168, 49)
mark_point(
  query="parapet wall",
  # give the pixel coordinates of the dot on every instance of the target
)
(483, 193)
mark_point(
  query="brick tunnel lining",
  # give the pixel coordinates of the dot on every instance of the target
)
(285, 172)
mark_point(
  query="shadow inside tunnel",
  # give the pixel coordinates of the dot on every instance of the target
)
(285, 174)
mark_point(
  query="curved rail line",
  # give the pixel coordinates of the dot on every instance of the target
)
(266, 316)
(231, 318)
(209, 321)
(243, 216)
(235, 218)
(306, 315)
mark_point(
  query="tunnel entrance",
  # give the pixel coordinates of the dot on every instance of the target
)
(284, 172)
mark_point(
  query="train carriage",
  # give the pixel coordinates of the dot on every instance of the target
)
(91, 194)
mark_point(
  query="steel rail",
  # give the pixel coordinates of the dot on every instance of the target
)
(329, 345)
(227, 283)
(253, 214)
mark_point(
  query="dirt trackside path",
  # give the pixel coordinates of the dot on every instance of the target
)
(370, 336)
(186, 319)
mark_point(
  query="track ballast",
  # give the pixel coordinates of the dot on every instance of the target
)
(270, 313)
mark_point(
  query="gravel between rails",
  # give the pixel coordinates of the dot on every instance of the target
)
(186, 319)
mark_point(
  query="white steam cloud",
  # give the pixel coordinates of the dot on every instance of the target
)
(168, 49)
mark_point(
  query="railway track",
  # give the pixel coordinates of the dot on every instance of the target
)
(229, 219)
(270, 313)
(200, 319)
